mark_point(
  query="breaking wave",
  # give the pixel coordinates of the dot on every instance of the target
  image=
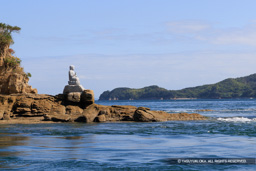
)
(237, 119)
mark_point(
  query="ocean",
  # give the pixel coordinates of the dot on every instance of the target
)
(230, 132)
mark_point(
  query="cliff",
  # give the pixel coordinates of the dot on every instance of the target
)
(13, 79)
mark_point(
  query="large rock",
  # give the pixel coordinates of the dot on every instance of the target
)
(74, 97)
(41, 106)
(89, 114)
(146, 115)
(100, 118)
(57, 118)
(58, 110)
(7, 103)
(121, 113)
(73, 110)
(14, 81)
(23, 106)
(100, 113)
(87, 98)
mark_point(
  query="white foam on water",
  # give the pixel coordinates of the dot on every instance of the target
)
(179, 111)
(239, 110)
(237, 119)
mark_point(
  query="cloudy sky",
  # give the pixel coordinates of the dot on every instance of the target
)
(133, 43)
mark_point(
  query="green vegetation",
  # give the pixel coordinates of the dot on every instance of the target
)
(244, 87)
(12, 62)
(28, 75)
(6, 37)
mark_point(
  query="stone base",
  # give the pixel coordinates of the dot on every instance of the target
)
(73, 88)
(87, 98)
(73, 83)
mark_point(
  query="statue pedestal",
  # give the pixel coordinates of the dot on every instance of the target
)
(74, 93)
(73, 83)
(73, 88)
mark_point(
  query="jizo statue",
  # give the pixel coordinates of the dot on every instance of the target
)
(73, 79)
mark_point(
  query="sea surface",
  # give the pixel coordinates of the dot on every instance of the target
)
(230, 132)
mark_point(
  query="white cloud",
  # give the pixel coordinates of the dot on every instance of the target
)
(212, 35)
(187, 26)
(241, 36)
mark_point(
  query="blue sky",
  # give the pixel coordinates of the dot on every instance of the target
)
(133, 43)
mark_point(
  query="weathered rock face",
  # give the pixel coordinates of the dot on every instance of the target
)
(81, 99)
(73, 110)
(15, 83)
(87, 98)
(146, 115)
(54, 108)
(14, 80)
(74, 97)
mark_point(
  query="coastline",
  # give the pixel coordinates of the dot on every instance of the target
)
(26, 120)
(42, 108)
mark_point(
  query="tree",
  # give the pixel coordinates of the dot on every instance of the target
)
(6, 37)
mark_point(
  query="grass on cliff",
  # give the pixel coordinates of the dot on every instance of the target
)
(10, 63)
(6, 37)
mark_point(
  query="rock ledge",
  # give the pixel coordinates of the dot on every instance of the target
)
(60, 109)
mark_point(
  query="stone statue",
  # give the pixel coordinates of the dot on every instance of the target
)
(73, 79)
(73, 83)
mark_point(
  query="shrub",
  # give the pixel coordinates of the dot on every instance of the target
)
(29, 74)
(11, 51)
(12, 62)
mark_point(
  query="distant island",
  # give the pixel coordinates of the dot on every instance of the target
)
(243, 87)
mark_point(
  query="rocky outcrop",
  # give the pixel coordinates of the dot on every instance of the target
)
(13, 83)
(58, 109)
(73, 97)
(13, 79)
(87, 98)
(146, 115)
(143, 114)
(100, 113)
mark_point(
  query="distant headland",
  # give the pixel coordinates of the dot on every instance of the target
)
(243, 87)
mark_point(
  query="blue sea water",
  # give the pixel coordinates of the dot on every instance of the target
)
(230, 132)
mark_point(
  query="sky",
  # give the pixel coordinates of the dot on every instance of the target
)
(174, 44)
